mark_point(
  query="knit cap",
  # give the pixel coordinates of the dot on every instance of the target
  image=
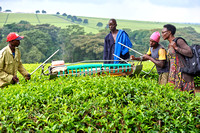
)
(155, 36)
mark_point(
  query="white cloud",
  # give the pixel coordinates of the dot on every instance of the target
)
(177, 3)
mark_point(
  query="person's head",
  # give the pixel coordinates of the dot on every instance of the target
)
(154, 39)
(14, 39)
(168, 30)
(112, 24)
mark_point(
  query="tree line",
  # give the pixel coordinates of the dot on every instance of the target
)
(41, 40)
(69, 17)
(75, 19)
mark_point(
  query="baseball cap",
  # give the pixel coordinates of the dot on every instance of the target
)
(14, 36)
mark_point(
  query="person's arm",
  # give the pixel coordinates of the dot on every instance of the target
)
(21, 68)
(132, 57)
(4, 75)
(23, 71)
(105, 51)
(183, 48)
(161, 58)
(159, 63)
(141, 58)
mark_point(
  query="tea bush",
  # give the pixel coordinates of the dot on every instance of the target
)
(97, 104)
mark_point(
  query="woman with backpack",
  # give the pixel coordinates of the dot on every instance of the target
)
(177, 49)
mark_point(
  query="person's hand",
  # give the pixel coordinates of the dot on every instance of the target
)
(132, 57)
(28, 77)
(146, 57)
(15, 79)
(173, 45)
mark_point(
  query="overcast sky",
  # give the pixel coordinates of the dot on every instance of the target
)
(187, 11)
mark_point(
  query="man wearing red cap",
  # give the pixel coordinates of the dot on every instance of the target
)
(10, 61)
(158, 55)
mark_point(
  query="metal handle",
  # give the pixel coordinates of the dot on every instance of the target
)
(130, 48)
(45, 61)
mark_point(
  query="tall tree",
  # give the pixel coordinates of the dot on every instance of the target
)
(91, 46)
(99, 24)
(69, 17)
(43, 11)
(37, 11)
(64, 14)
(39, 41)
(127, 30)
(85, 21)
(8, 10)
(79, 20)
(50, 29)
(13, 27)
(75, 18)
(23, 22)
(70, 53)
(33, 56)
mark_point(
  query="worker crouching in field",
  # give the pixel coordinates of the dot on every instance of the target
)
(158, 55)
(10, 61)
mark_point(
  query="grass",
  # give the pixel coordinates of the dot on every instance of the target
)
(15, 18)
(136, 25)
(61, 21)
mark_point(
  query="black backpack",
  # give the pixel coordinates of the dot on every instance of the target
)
(192, 64)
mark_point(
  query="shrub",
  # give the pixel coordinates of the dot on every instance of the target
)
(97, 104)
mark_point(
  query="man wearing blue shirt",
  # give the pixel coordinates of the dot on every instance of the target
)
(111, 45)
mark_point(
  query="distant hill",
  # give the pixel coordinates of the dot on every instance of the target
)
(62, 21)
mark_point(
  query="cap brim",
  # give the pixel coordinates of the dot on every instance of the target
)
(19, 38)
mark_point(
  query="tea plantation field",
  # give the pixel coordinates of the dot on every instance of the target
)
(97, 104)
(91, 27)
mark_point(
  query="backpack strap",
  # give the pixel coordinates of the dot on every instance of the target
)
(176, 39)
(179, 56)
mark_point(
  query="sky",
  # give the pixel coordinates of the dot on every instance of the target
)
(181, 11)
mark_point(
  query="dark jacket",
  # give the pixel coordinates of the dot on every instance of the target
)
(109, 49)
